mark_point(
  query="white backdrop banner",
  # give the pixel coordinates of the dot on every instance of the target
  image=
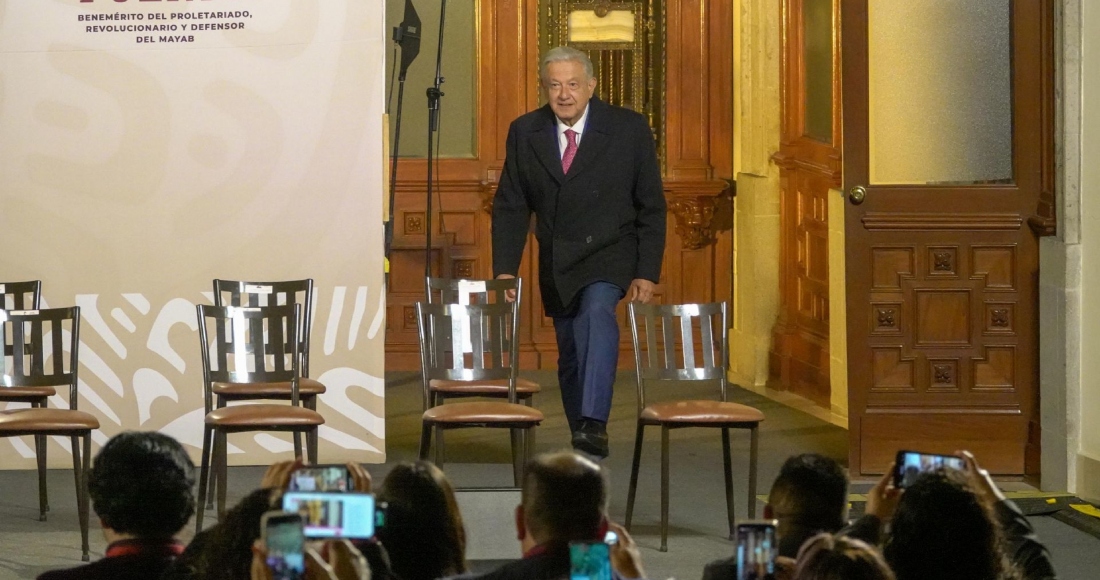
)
(147, 147)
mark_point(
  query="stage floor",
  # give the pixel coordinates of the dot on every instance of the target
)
(479, 457)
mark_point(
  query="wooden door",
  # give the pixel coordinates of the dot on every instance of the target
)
(809, 166)
(946, 154)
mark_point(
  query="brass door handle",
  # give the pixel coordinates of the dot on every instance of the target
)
(857, 194)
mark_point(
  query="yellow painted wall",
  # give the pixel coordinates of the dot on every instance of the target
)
(838, 310)
(1088, 454)
(756, 207)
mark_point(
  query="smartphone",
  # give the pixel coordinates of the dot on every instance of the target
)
(589, 561)
(284, 537)
(333, 515)
(756, 550)
(910, 464)
(321, 478)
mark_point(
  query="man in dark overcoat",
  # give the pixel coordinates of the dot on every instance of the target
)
(588, 170)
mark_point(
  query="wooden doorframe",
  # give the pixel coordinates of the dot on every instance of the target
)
(808, 168)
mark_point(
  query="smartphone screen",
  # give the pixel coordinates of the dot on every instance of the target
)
(333, 515)
(756, 551)
(321, 478)
(284, 537)
(910, 464)
(589, 561)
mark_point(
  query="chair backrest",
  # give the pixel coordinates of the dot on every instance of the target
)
(462, 291)
(254, 294)
(665, 346)
(468, 343)
(35, 345)
(242, 344)
(21, 295)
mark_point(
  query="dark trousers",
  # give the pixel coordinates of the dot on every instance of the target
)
(588, 353)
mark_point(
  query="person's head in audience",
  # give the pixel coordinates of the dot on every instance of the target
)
(141, 487)
(830, 557)
(809, 496)
(423, 533)
(943, 530)
(564, 500)
(224, 551)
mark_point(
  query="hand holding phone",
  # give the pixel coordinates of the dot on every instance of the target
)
(284, 540)
(909, 465)
(333, 515)
(321, 478)
(589, 561)
(756, 550)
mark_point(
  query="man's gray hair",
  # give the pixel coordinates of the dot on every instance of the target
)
(564, 54)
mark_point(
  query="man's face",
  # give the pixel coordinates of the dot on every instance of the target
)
(568, 89)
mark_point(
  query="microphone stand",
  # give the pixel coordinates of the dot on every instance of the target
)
(407, 36)
(434, 97)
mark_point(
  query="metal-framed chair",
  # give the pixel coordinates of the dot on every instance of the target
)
(250, 345)
(35, 342)
(461, 291)
(26, 296)
(257, 294)
(665, 350)
(467, 343)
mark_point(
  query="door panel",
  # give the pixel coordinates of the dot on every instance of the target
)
(942, 130)
(809, 167)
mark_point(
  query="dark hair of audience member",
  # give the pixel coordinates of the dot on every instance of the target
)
(810, 495)
(564, 497)
(943, 530)
(829, 557)
(135, 471)
(224, 551)
(423, 532)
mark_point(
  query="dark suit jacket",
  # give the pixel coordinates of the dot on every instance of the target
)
(147, 560)
(604, 221)
(552, 564)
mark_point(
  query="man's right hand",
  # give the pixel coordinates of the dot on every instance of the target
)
(510, 296)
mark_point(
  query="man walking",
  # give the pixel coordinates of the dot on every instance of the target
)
(589, 172)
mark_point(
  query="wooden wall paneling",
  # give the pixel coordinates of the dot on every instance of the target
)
(697, 160)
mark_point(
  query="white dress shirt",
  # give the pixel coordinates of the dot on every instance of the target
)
(577, 127)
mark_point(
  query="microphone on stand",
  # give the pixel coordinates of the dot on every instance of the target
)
(407, 37)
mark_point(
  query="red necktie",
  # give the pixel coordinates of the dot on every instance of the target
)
(570, 150)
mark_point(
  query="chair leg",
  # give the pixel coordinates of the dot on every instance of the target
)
(223, 471)
(635, 465)
(528, 452)
(40, 444)
(425, 440)
(312, 439)
(214, 453)
(439, 446)
(664, 488)
(297, 435)
(753, 445)
(727, 463)
(311, 450)
(204, 477)
(83, 495)
(517, 445)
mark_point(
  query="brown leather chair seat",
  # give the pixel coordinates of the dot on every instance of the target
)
(18, 392)
(306, 387)
(700, 412)
(482, 412)
(23, 420)
(523, 387)
(263, 415)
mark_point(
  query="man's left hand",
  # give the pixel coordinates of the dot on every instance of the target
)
(641, 290)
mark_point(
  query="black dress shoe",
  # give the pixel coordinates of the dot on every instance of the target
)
(591, 438)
